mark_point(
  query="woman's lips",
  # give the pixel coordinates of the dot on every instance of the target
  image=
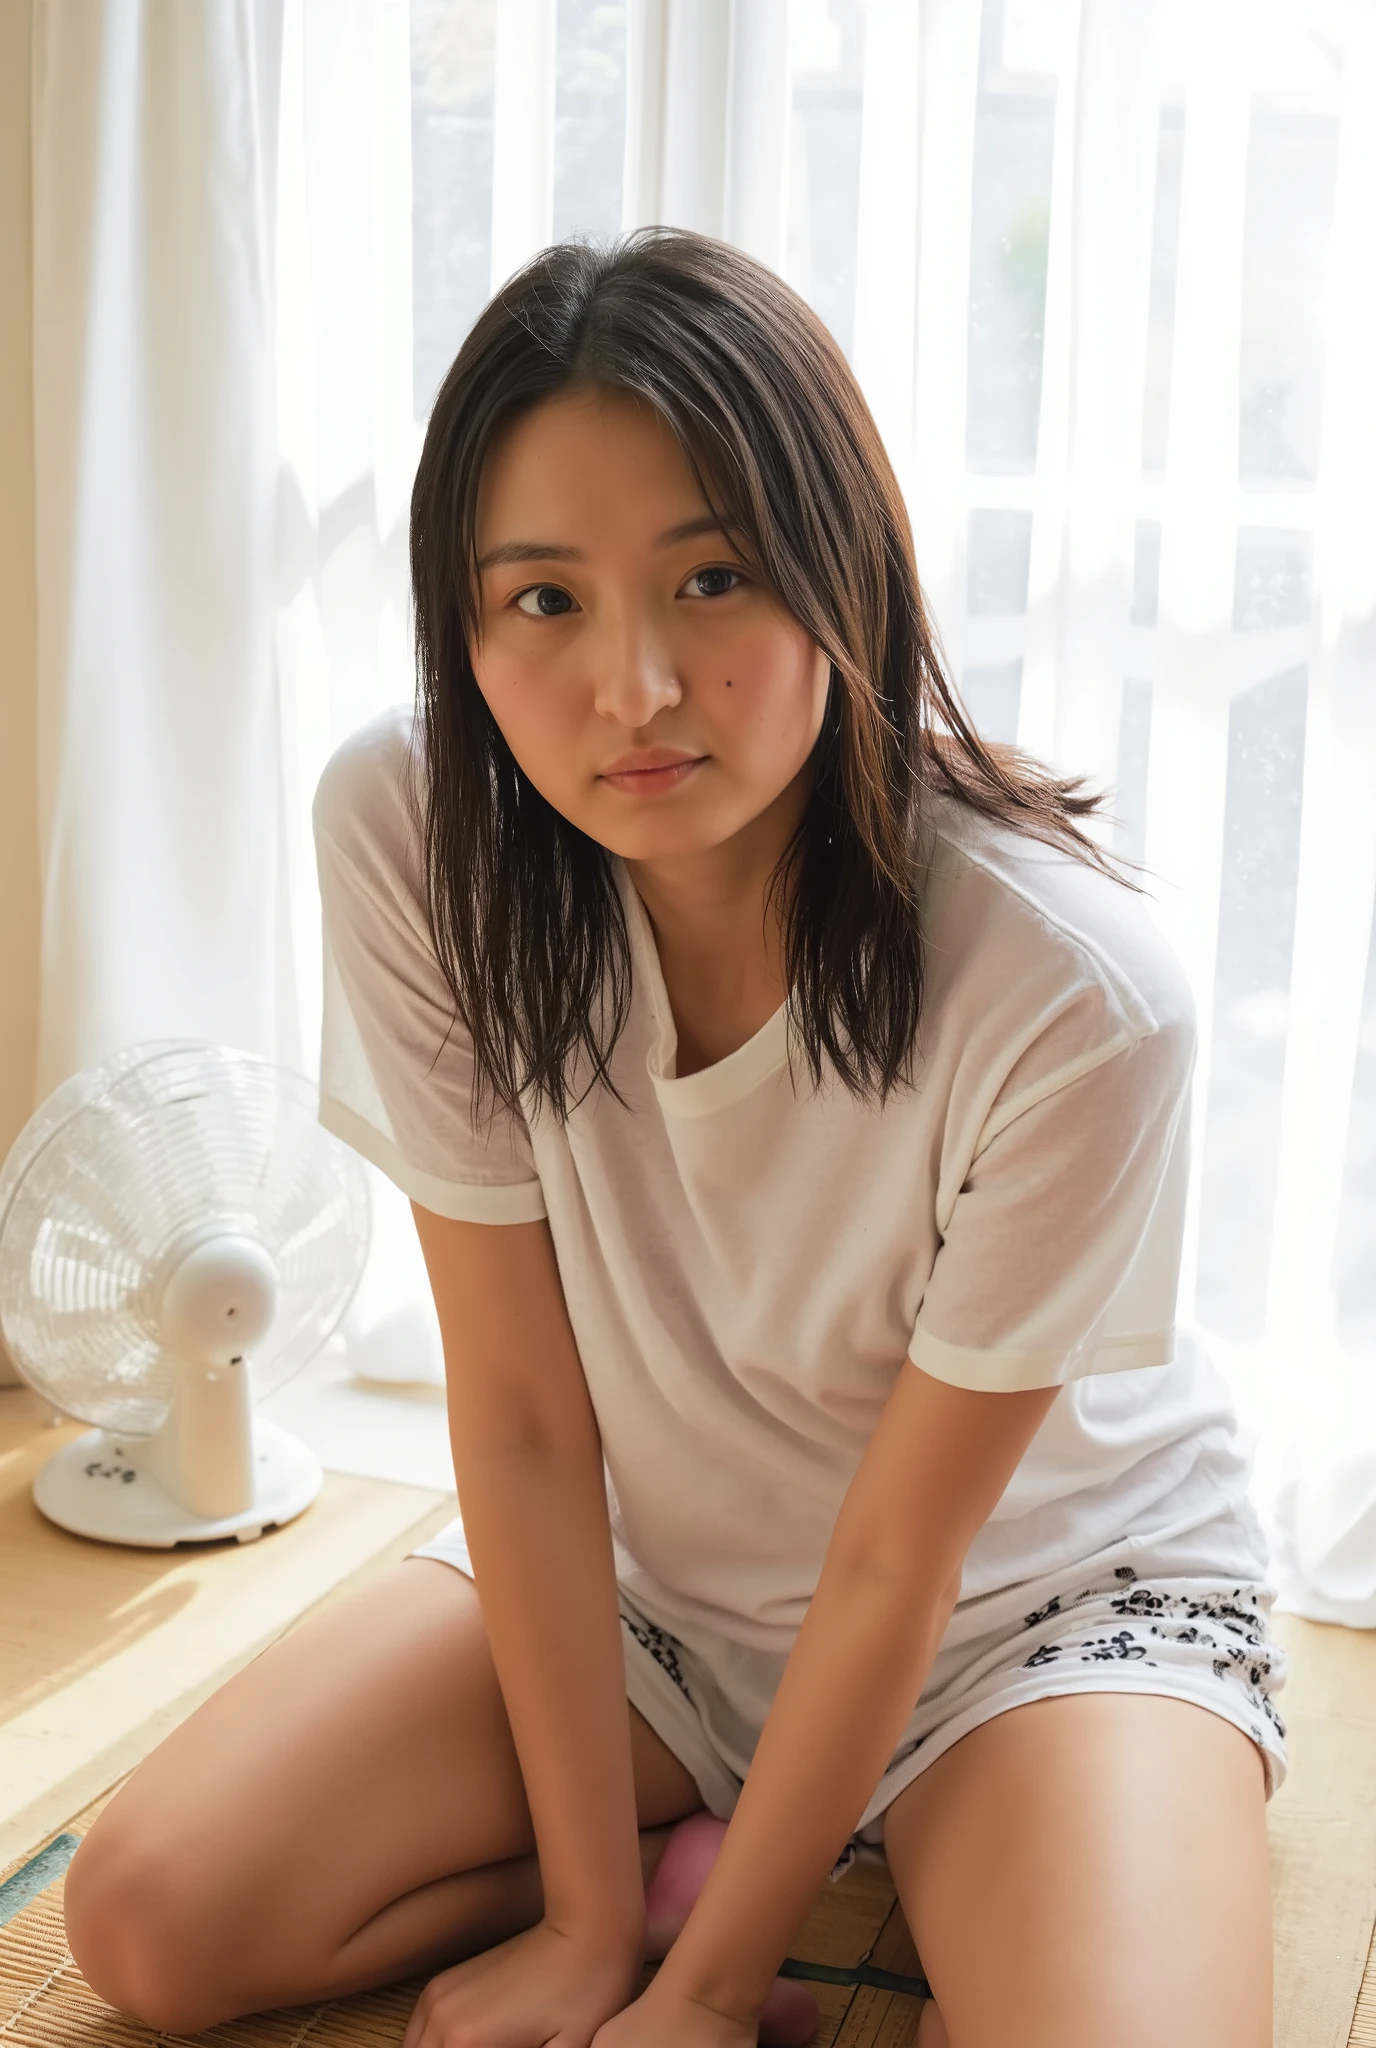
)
(652, 773)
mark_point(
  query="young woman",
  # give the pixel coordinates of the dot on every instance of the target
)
(792, 1099)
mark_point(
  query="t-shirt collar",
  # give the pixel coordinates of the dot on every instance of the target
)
(712, 1088)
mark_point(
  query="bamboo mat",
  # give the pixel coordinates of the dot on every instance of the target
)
(44, 2002)
(1321, 1860)
(1322, 1826)
(103, 1651)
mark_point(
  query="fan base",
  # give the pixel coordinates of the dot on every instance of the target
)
(98, 1486)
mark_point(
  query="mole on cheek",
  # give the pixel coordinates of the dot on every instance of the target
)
(728, 682)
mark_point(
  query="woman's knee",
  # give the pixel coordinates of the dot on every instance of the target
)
(144, 1932)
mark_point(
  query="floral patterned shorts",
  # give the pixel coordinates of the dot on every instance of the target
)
(1184, 1614)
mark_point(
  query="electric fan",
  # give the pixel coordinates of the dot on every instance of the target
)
(177, 1232)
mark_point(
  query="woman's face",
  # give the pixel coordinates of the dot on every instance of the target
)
(652, 689)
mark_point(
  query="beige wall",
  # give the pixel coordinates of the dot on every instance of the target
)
(18, 609)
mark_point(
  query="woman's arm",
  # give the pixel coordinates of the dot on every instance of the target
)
(930, 1477)
(528, 1462)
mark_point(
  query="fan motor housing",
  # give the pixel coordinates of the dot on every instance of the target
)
(219, 1297)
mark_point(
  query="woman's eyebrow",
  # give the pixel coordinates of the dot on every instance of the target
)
(549, 551)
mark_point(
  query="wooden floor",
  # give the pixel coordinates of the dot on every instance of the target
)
(103, 1650)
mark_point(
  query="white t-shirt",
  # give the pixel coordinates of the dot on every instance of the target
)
(748, 1264)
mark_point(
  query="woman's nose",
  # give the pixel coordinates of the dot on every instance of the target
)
(636, 677)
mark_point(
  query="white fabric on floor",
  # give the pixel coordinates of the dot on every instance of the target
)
(376, 1429)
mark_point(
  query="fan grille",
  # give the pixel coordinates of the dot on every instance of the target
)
(132, 1163)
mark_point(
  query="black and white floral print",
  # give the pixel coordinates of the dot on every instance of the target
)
(1227, 1622)
(662, 1648)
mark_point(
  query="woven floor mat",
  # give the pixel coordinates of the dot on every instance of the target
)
(46, 2003)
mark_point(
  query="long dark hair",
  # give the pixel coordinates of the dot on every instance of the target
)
(525, 914)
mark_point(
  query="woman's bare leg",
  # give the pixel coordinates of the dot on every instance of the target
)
(346, 1811)
(1090, 1868)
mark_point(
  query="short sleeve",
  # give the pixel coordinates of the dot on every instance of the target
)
(1060, 1256)
(396, 1065)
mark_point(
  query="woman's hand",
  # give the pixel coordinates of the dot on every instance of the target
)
(667, 2019)
(540, 1987)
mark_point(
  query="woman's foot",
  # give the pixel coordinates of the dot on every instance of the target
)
(789, 2017)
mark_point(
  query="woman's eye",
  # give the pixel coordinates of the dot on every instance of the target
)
(552, 602)
(723, 571)
(539, 591)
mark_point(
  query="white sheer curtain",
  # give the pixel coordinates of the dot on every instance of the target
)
(160, 784)
(1105, 275)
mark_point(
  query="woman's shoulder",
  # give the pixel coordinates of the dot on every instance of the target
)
(1016, 921)
(366, 801)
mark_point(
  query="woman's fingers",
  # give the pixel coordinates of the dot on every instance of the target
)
(539, 1987)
